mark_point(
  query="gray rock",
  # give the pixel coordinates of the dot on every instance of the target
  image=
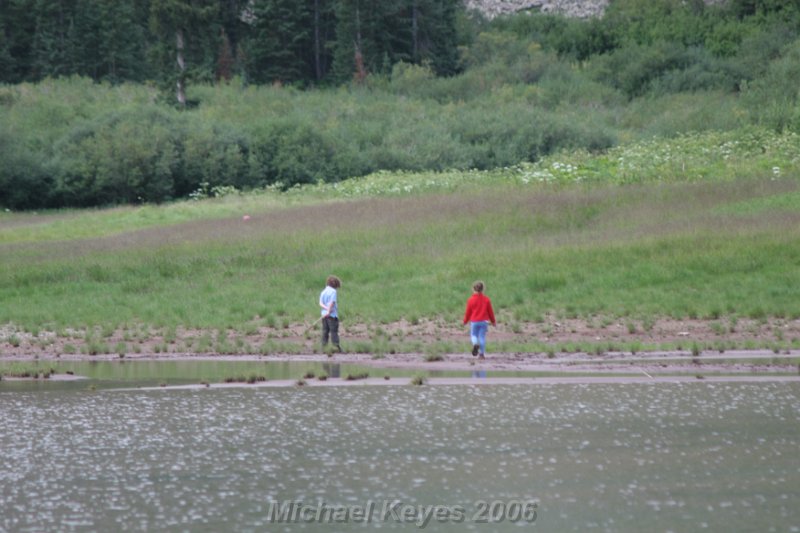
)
(570, 8)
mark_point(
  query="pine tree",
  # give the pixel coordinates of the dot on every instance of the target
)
(435, 34)
(7, 64)
(281, 38)
(19, 28)
(232, 26)
(380, 34)
(51, 47)
(84, 37)
(122, 42)
(362, 37)
(184, 29)
(323, 31)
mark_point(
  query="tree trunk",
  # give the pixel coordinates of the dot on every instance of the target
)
(317, 46)
(361, 70)
(180, 90)
(415, 32)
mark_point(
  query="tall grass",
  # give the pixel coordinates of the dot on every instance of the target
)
(631, 233)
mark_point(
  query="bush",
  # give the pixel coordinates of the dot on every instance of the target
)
(672, 114)
(126, 156)
(647, 22)
(634, 68)
(774, 99)
(290, 153)
(24, 183)
(563, 86)
(572, 38)
(213, 154)
(762, 46)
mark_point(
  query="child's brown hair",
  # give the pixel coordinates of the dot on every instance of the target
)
(477, 286)
(334, 282)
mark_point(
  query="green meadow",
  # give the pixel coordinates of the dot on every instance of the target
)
(703, 226)
(621, 172)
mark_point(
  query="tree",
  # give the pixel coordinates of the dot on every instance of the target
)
(85, 37)
(323, 31)
(281, 36)
(51, 51)
(225, 60)
(233, 17)
(7, 63)
(364, 36)
(122, 42)
(434, 36)
(186, 24)
(380, 34)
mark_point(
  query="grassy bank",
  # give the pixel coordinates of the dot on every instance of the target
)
(712, 233)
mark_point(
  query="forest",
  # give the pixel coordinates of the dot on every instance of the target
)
(302, 43)
(144, 101)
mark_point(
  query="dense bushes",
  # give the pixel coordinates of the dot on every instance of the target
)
(133, 150)
(774, 98)
(531, 86)
(24, 184)
(125, 156)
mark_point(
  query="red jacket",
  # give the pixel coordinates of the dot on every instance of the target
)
(479, 308)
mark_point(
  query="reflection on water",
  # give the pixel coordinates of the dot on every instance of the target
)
(151, 373)
(333, 370)
(633, 457)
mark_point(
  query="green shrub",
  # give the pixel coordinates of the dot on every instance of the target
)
(701, 72)
(213, 154)
(289, 153)
(774, 99)
(634, 68)
(24, 182)
(129, 156)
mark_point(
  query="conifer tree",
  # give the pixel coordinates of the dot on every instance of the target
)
(435, 37)
(7, 63)
(122, 42)
(51, 47)
(364, 33)
(84, 36)
(183, 26)
(233, 17)
(382, 33)
(281, 38)
(323, 30)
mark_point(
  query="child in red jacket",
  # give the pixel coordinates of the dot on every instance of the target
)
(479, 314)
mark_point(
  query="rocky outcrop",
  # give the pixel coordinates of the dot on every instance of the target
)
(570, 8)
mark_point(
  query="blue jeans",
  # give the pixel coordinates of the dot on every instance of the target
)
(477, 333)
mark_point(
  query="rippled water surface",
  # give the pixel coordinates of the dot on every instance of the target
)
(628, 457)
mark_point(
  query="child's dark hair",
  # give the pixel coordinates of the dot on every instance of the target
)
(334, 282)
(477, 286)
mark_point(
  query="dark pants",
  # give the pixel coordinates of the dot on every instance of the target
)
(330, 327)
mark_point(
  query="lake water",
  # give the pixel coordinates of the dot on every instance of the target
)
(629, 457)
(151, 373)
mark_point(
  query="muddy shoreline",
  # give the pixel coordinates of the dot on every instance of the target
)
(624, 365)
